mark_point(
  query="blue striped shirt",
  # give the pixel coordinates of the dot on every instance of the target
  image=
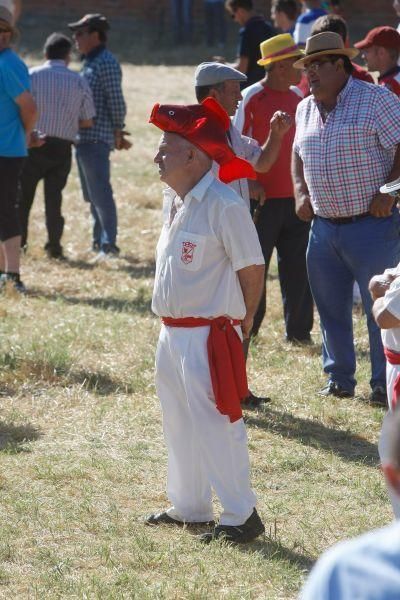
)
(103, 73)
(63, 99)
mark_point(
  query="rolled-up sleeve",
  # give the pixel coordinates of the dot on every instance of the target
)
(239, 237)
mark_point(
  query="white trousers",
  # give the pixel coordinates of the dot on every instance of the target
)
(205, 450)
(391, 374)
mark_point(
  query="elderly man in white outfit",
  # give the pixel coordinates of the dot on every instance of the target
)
(209, 276)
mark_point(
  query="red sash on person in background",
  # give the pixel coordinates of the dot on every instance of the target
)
(226, 361)
(393, 358)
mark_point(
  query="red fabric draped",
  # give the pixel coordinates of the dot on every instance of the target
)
(393, 358)
(226, 361)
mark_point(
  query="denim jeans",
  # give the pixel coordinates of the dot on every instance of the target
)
(338, 255)
(215, 22)
(182, 20)
(93, 160)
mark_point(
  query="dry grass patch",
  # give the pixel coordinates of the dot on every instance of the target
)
(80, 431)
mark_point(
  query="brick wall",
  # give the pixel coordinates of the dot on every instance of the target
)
(361, 14)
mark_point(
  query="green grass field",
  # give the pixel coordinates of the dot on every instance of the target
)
(81, 446)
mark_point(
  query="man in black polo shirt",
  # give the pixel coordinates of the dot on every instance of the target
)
(254, 29)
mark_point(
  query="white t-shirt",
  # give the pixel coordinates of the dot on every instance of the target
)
(210, 238)
(391, 301)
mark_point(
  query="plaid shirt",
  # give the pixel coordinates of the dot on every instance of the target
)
(349, 156)
(103, 73)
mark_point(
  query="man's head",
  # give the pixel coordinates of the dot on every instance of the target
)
(240, 10)
(90, 32)
(180, 163)
(327, 65)
(380, 48)
(57, 47)
(278, 55)
(220, 82)
(391, 453)
(333, 23)
(7, 30)
(284, 13)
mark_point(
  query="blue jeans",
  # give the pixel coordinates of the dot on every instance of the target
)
(337, 256)
(215, 22)
(93, 160)
(182, 20)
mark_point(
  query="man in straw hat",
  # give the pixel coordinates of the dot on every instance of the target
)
(346, 147)
(278, 226)
(17, 119)
(208, 279)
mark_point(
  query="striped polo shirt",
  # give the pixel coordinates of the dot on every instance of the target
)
(63, 99)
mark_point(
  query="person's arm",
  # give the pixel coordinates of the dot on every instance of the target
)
(382, 204)
(304, 208)
(17, 10)
(241, 64)
(251, 281)
(112, 84)
(85, 123)
(28, 112)
(280, 125)
(383, 317)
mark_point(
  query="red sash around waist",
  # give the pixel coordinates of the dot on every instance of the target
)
(393, 358)
(226, 361)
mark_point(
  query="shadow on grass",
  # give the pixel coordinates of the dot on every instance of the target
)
(14, 437)
(99, 383)
(347, 445)
(140, 305)
(137, 269)
(273, 550)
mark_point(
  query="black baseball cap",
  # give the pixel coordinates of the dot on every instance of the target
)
(96, 22)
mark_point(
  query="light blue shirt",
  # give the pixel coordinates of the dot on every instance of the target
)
(365, 568)
(14, 80)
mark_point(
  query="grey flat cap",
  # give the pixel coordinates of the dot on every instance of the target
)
(210, 73)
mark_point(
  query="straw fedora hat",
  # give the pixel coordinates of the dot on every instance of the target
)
(322, 44)
(277, 48)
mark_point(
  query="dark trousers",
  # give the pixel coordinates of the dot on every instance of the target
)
(10, 169)
(52, 163)
(215, 22)
(279, 227)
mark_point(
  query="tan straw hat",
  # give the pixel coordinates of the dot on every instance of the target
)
(324, 43)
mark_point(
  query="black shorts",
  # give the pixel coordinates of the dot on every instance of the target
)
(10, 169)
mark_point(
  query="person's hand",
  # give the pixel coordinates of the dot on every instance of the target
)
(304, 208)
(256, 191)
(121, 143)
(35, 139)
(280, 123)
(219, 59)
(247, 326)
(381, 205)
(379, 285)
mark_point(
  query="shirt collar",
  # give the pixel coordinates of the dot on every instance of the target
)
(199, 190)
(95, 52)
(55, 63)
(389, 73)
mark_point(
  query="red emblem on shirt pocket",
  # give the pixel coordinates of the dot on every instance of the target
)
(187, 252)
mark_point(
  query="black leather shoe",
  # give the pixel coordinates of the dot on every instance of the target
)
(378, 396)
(236, 534)
(163, 518)
(252, 401)
(334, 389)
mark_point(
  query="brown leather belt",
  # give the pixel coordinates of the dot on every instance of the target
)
(346, 220)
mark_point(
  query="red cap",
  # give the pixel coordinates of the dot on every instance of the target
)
(385, 36)
(204, 125)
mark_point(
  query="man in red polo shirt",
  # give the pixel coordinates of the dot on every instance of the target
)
(278, 226)
(380, 49)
